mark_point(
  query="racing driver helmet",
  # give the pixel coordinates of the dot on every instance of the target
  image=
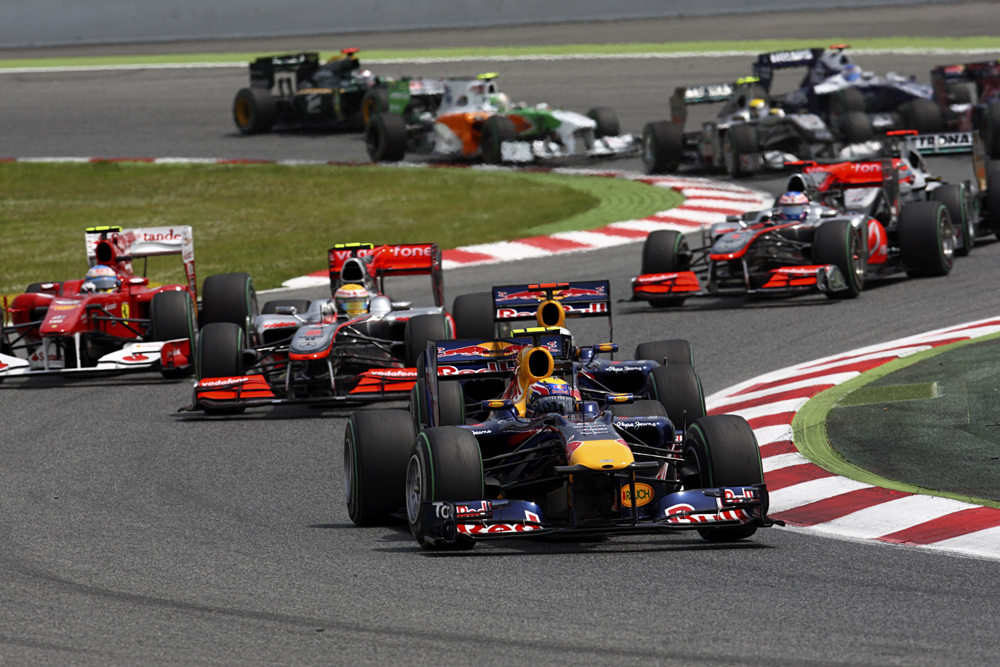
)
(548, 396)
(352, 300)
(103, 278)
(793, 205)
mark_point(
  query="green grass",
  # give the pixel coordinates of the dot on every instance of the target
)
(750, 46)
(276, 222)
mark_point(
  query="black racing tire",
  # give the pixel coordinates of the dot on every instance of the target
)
(496, 130)
(254, 110)
(665, 251)
(473, 315)
(271, 307)
(229, 297)
(678, 389)
(676, 352)
(419, 409)
(451, 403)
(958, 93)
(922, 115)
(607, 122)
(377, 446)
(220, 351)
(641, 408)
(721, 451)
(420, 330)
(926, 239)
(993, 202)
(445, 464)
(740, 139)
(846, 101)
(989, 130)
(375, 101)
(958, 200)
(837, 242)
(385, 137)
(662, 147)
(172, 316)
(856, 127)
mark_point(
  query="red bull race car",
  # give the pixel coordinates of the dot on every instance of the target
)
(544, 460)
(112, 320)
(358, 346)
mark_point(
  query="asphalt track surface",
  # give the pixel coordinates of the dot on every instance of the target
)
(135, 536)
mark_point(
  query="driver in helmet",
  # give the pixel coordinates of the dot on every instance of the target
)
(100, 278)
(793, 205)
(550, 395)
(352, 300)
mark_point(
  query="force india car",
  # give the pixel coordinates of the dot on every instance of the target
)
(297, 91)
(855, 103)
(867, 220)
(476, 121)
(749, 133)
(298, 351)
(71, 327)
(660, 370)
(622, 470)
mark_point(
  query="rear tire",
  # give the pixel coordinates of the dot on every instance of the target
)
(678, 389)
(172, 316)
(385, 137)
(993, 203)
(665, 251)
(377, 445)
(445, 465)
(473, 315)
(677, 352)
(856, 128)
(220, 351)
(922, 115)
(271, 307)
(837, 242)
(607, 122)
(957, 200)
(229, 297)
(662, 147)
(254, 110)
(420, 330)
(496, 130)
(722, 451)
(989, 128)
(845, 101)
(926, 240)
(739, 140)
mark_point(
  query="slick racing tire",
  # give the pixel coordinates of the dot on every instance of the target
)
(445, 465)
(926, 239)
(739, 140)
(721, 451)
(856, 128)
(845, 101)
(473, 315)
(837, 242)
(385, 137)
(667, 352)
(172, 316)
(678, 389)
(220, 354)
(451, 404)
(271, 307)
(958, 93)
(662, 147)
(229, 297)
(496, 130)
(607, 122)
(643, 408)
(374, 102)
(420, 330)
(922, 115)
(254, 110)
(665, 251)
(377, 446)
(989, 129)
(993, 202)
(958, 201)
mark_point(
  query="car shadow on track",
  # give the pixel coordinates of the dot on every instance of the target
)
(284, 412)
(87, 382)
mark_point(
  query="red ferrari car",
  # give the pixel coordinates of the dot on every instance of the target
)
(112, 320)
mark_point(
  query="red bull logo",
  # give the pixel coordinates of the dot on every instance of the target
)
(491, 349)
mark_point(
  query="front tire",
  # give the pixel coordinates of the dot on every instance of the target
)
(665, 251)
(722, 451)
(445, 465)
(419, 331)
(385, 137)
(376, 450)
(496, 130)
(607, 122)
(837, 242)
(739, 140)
(926, 239)
(922, 115)
(662, 147)
(374, 102)
(229, 297)
(678, 389)
(957, 200)
(989, 128)
(666, 352)
(172, 317)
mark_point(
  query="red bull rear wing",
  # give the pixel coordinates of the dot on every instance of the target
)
(551, 304)
(404, 259)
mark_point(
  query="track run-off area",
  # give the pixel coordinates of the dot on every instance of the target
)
(134, 535)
